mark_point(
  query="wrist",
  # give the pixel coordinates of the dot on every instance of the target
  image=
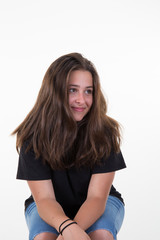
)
(59, 221)
(65, 224)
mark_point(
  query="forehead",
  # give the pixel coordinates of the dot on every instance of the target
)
(80, 77)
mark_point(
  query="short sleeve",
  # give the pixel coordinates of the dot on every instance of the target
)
(113, 163)
(31, 168)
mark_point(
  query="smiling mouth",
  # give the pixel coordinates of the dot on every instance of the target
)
(76, 109)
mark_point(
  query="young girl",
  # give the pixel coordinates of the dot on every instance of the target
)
(69, 152)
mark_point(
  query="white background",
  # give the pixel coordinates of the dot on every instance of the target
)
(122, 39)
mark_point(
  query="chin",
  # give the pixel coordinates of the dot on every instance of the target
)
(78, 118)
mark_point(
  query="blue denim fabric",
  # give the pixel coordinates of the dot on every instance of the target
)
(111, 220)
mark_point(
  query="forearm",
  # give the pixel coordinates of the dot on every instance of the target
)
(89, 212)
(51, 212)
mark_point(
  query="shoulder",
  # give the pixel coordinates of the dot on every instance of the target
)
(26, 150)
(113, 162)
(30, 167)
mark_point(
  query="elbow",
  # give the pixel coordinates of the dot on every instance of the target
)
(100, 204)
(40, 206)
(43, 205)
(103, 207)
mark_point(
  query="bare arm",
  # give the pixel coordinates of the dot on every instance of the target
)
(95, 203)
(48, 208)
(51, 211)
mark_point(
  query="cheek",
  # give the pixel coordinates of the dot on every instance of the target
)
(90, 101)
(70, 100)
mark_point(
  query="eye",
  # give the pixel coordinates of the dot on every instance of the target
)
(89, 91)
(72, 90)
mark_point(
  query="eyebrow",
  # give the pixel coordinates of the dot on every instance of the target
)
(74, 85)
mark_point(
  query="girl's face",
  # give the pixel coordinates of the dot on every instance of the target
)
(80, 88)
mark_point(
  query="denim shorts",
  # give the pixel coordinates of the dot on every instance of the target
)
(111, 220)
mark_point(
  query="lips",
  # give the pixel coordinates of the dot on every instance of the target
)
(78, 109)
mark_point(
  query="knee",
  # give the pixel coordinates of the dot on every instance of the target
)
(101, 235)
(46, 236)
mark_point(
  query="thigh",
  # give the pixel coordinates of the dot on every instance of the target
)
(36, 225)
(101, 235)
(112, 218)
(46, 236)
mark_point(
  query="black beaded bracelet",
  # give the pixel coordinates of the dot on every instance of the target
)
(62, 224)
(67, 226)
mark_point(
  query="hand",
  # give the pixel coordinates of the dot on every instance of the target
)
(74, 232)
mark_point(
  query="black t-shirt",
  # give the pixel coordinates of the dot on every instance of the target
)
(70, 185)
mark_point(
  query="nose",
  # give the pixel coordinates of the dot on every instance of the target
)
(80, 98)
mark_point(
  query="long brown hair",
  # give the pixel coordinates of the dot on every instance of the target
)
(50, 128)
